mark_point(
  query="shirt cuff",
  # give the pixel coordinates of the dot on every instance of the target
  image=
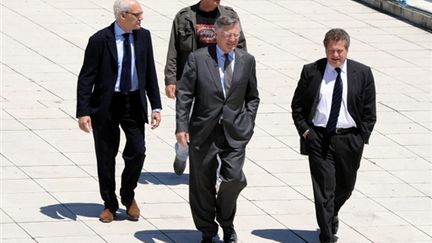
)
(156, 110)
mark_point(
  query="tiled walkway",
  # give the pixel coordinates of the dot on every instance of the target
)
(49, 189)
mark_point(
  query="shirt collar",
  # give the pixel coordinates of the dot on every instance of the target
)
(220, 53)
(330, 68)
(118, 31)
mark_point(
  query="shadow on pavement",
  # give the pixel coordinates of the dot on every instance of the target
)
(177, 236)
(73, 210)
(163, 178)
(287, 235)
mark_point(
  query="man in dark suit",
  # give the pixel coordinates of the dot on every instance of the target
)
(117, 74)
(220, 82)
(334, 112)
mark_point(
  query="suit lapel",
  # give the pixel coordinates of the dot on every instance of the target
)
(139, 56)
(351, 82)
(315, 85)
(110, 37)
(212, 64)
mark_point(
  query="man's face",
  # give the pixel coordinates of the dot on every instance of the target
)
(336, 52)
(209, 4)
(131, 20)
(227, 38)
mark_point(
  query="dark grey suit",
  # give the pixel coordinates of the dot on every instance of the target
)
(201, 87)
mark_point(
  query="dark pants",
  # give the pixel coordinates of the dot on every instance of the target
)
(205, 205)
(125, 113)
(334, 161)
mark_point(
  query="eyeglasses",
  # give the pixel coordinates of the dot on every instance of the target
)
(229, 35)
(137, 15)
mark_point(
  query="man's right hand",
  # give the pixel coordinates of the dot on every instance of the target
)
(170, 90)
(182, 138)
(84, 123)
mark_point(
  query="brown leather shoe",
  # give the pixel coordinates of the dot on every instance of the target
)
(106, 216)
(133, 211)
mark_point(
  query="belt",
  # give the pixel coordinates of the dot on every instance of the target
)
(342, 131)
(124, 93)
(338, 131)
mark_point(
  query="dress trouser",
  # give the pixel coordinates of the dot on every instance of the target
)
(205, 205)
(125, 112)
(333, 161)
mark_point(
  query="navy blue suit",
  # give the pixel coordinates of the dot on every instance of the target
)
(110, 110)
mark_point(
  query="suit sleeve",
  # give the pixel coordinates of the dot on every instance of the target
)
(298, 108)
(170, 70)
(252, 95)
(185, 94)
(87, 77)
(152, 87)
(368, 118)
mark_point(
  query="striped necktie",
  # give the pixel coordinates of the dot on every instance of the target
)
(227, 73)
(336, 103)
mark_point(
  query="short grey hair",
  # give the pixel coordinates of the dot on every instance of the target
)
(121, 6)
(337, 34)
(225, 21)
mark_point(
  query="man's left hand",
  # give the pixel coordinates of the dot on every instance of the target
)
(155, 119)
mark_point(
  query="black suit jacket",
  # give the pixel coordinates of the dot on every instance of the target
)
(200, 85)
(361, 97)
(99, 72)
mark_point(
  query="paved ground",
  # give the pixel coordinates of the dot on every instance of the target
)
(49, 187)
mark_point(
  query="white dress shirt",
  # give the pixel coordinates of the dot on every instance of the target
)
(322, 112)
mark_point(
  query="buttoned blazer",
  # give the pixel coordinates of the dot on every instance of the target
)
(201, 87)
(99, 72)
(361, 97)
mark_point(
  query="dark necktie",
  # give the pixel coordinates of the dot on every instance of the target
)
(336, 103)
(227, 73)
(125, 78)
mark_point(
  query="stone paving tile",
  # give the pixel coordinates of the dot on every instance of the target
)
(49, 190)
(57, 228)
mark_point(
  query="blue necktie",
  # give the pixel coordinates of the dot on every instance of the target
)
(125, 78)
(336, 103)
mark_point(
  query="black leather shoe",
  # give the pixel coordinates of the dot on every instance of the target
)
(230, 236)
(335, 225)
(179, 166)
(331, 239)
(207, 239)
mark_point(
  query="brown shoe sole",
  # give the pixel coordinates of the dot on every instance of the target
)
(107, 220)
(131, 218)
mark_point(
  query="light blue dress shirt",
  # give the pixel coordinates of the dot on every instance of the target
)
(221, 60)
(119, 44)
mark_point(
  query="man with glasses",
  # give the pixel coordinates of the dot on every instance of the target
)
(192, 28)
(117, 74)
(219, 86)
